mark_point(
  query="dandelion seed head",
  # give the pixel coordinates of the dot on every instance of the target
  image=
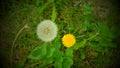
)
(47, 30)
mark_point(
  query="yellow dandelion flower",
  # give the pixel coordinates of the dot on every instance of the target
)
(68, 40)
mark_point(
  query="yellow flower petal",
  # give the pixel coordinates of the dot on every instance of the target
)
(68, 40)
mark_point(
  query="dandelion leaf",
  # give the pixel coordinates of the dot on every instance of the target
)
(67, 62)
(80, 45)
(58, 65)
(46, 61)
(50, 52)
(58, 59)
(57, 44)
(69, 52)
(59, 56)
(54, 14)
(42, 8)
(38, 52)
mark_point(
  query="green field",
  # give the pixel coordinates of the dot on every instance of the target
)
(94, 24)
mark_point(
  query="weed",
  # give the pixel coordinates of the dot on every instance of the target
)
(93, 38)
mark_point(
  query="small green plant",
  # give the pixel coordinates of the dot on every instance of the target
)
(71, 38)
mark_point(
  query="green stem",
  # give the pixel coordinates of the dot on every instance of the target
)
(93, 36)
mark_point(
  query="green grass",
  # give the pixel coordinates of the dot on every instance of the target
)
(93, 36)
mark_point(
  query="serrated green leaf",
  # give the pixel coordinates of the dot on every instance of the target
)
(58, 59)
(54, 14)
(56, 44)
(69, 52)
(50, 52)
(38, 52)
(46, 61)
(80, 45)
(59, 56)
(67, 62)
(42, 8)
(58, 64)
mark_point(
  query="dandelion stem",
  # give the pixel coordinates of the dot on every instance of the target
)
(93, 36)
(13, 44)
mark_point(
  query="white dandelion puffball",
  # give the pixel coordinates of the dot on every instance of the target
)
(47, 30)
